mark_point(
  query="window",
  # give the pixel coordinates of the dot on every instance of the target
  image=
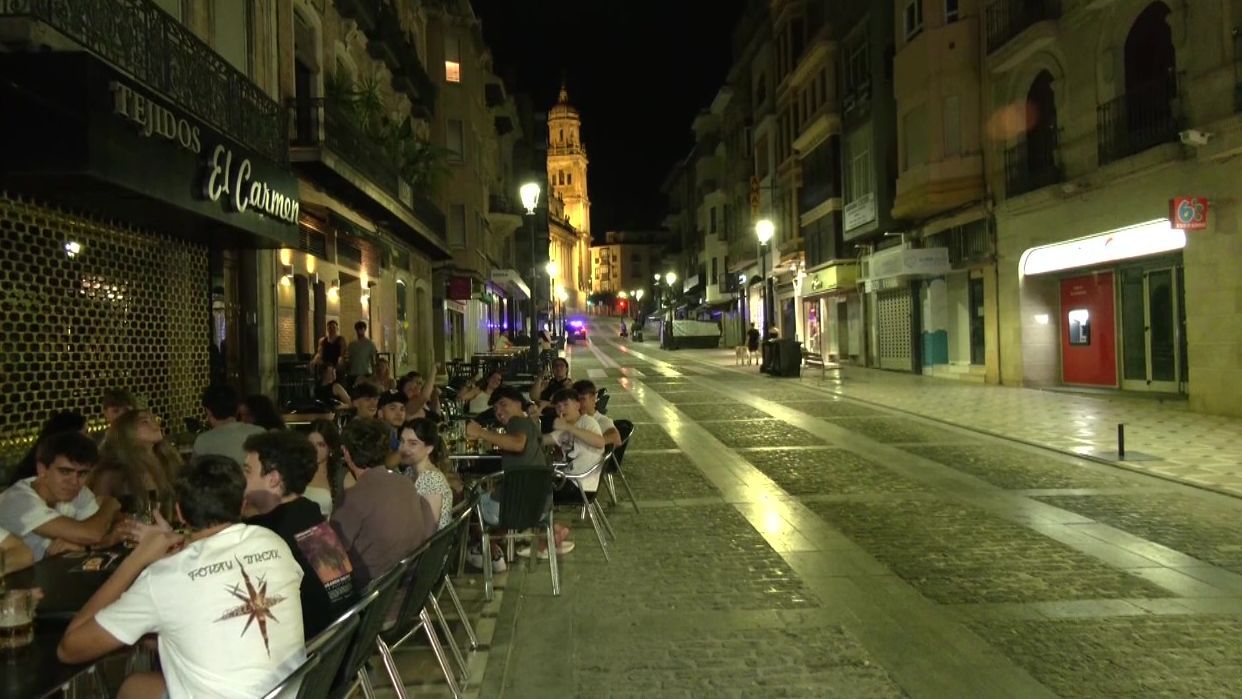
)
(457, 226)
(859, 180)
(1079, 326)
(952, 126)
(569, 178)
(913, 18)
(712, 225)
(715, 276)
(914, 138)
(857, 69)
(761, 89)
(452, 59)
(951, 12)
(456, 140)
(761, 156)
(232, 32)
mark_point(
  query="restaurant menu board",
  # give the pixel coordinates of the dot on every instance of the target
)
(327, 556)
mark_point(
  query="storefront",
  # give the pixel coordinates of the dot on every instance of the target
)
(893, 283)
(1117, 304)
(130, 229)
(833, 314)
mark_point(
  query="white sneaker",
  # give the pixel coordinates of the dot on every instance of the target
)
(561, 549)
(524, 551)
(499, 565)
(475, 559)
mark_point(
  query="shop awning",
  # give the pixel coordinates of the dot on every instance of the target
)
(837, 277)
(510, 280)
(1141, 240)
(910, 263)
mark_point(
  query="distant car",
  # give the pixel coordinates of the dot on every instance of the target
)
(576, 331)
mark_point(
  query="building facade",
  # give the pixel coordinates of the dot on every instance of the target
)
(569, 250)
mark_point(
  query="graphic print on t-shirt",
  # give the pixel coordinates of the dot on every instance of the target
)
(256, 605)
(322, 548)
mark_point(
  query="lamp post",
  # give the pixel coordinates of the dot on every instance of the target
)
(554, 270)
(530, 200)
(764, 230)
(670, 278)
(638, 295)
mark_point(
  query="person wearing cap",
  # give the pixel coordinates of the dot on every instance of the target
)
(365, 399)
(392, 413)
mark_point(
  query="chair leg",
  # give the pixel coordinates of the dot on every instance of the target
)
(448, 638)
(487, 565)
(390, 665)
(461, 612)
(612, 489)
(552, 562)
(364, 679)
(599, 512)
(599, 530)
(625, 482)
(438, 649)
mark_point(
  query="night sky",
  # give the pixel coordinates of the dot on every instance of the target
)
(638, 71)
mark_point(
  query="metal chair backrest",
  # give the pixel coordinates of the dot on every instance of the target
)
(524, 497)
(601, 400)
(625, 428)
(380, 593)
(325, 653)
(423, 576)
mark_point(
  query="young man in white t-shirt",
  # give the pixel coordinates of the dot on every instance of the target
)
(582, 443)
(53, 511)
(587, 395)
(224, 600)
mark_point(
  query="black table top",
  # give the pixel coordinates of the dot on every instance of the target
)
(34, 671)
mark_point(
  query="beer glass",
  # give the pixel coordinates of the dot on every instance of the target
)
(16, 619)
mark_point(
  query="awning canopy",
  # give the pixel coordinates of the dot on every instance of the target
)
(511, 280)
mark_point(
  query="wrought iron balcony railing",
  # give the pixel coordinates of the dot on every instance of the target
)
(141, 39)
(1007, 19)
(321, 123)
(500, 204)
(1140, 119)
(1030, 166)
(389, 42)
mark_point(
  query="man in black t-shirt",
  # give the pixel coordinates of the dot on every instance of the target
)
(278, 467)
(545, 387)
(331, 346)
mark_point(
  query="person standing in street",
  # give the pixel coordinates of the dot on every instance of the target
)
(752, 343)
(360, 356)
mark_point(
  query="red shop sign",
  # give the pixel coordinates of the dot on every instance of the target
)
(459, 288)
(1188, 213)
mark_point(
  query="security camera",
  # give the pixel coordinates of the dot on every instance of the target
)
(1195, 137)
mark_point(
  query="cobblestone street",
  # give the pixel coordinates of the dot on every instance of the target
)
(793, 541)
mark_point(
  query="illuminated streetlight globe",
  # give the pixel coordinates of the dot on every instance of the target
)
(671, 277)
(639, 294)
(656, 277)
(553, 268)
(530, 196)
(623, 295)
(765, 229)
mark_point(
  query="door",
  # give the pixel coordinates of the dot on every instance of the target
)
(1153, 330)
(1088, 342)
(978, 342)
(894, 313)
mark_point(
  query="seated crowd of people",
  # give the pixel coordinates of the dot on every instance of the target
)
(266, 535)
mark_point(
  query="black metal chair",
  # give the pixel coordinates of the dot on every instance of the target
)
(601, 400)
(525, 508)
(418, 582)
(372, 610)
(456, 552)
(590, 504)
(625, 428)
(325, 653)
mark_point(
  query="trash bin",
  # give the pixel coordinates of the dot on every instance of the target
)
(788, 358)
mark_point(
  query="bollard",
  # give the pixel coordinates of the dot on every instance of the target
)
(1121, 442)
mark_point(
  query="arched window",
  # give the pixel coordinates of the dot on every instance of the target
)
(1143, 117)
(1041, 135)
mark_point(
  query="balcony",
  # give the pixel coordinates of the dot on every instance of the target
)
(1006, 19)
(1029, 168)
(389, 43)
(326, 141)
(139, 38)
(1140, 119)
(504, 216)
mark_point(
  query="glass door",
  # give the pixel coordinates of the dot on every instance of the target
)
(1153, 330)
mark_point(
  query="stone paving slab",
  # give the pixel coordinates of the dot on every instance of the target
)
(956, 554)
(692, 397)
(833, 408)
(796, 661)
(1019, 469)
(720, 411)
(1133, 656)
(719, 562)
(1206, 530)
(896, 430)
(760, 433)
(647, 436)
(656, 476)
(818, 472)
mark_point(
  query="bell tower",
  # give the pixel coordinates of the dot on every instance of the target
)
(567, 162)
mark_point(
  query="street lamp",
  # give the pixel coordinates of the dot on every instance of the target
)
(764, 230)
(529, 193)
(670, 278)
(554, 270)
(638, 295)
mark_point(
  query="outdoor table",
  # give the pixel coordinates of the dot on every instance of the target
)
(34, 670)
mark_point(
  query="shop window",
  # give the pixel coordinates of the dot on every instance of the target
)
(1079, 326)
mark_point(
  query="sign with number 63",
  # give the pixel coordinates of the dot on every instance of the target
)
(1188, 213)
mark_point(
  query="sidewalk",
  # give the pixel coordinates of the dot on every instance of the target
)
(1162, 438)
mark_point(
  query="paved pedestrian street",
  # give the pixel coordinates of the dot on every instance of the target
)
(793, 541)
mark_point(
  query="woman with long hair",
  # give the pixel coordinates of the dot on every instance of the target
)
(259, 410)
(477, 396)
(331, 477)
(137, 465)
(64, 421)
(423, 458)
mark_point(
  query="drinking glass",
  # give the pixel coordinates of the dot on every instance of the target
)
(16, 619)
